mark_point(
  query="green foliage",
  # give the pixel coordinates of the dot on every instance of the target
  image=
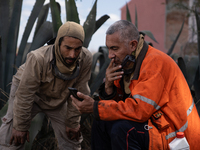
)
(4, 21)
(71, 11)
(12, 39)
(34, 14)
(55, 13)
(190, 69)
(174, 43)
(10, 13)
(41, 18)
(101, 60)
(44, 31)
(36, 125)
(190, 64)
(128, 16)
(136, 18)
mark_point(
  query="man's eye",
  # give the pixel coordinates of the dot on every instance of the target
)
(114, 48)
(68, 47)
(78, 49)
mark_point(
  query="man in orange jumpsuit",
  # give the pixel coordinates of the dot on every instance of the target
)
(145, 99)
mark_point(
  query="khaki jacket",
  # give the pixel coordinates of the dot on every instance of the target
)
(37, 84)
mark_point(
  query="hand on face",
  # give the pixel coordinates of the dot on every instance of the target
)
(85, 106)
(73, 133)
(111, 76)
(19, 137)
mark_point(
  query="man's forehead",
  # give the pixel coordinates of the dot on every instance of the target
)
(112, 38)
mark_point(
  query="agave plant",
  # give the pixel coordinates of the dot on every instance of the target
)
(10, 13)
(44, 31)
(189, 65)
(10, 20)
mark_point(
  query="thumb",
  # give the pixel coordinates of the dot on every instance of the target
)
(81, 95)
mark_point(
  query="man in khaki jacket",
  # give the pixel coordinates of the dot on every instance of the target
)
(41, 85)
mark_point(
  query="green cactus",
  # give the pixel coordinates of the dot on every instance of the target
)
(10, 13)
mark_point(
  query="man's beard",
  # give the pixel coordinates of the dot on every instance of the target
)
(117, 62)
(69, 61)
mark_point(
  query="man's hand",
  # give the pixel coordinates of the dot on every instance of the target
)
(19, 137)
(111, 76)
(85, 106)
(73, 133)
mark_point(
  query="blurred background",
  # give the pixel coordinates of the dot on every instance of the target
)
(172, 26)
(109, 7)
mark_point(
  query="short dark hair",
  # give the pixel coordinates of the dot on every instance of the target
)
(127, 31)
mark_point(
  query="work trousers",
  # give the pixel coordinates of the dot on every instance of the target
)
(119, 135)
(57, 120)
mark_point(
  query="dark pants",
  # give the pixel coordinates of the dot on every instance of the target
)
(119, 135)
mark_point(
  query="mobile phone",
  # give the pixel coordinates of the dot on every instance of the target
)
(126, 59)
(73, 92)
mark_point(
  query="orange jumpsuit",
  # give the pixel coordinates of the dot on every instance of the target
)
(159, 95)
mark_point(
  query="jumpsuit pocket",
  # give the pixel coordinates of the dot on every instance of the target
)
(6, 120)
(6, 131)
(159, 120)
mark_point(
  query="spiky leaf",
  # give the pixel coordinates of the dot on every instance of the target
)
(55, 13)
(191, 63)
(71, 11)
(128, 16)
(36, 125)
(102, 56)
(12, 42)
(4, 24)
(89, 25)
(42, 18)
(101, 21)
(174, 43)
(44, 34)
(136, 18)
(99, 79)
(182, 66)
(149, 34)
(34, 14)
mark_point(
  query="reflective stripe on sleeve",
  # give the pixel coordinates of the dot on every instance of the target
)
(147, 100)
(184, 127)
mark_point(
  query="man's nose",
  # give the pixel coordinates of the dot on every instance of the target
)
(111, 55)
(72, 54)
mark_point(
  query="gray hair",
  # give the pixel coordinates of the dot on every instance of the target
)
(127, 31)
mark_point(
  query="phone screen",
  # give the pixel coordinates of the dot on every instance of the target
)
(73, 92)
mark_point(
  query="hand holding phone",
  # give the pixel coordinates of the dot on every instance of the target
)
(128, 58)
(73, 92)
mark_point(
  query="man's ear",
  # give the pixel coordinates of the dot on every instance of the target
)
(133, 45)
